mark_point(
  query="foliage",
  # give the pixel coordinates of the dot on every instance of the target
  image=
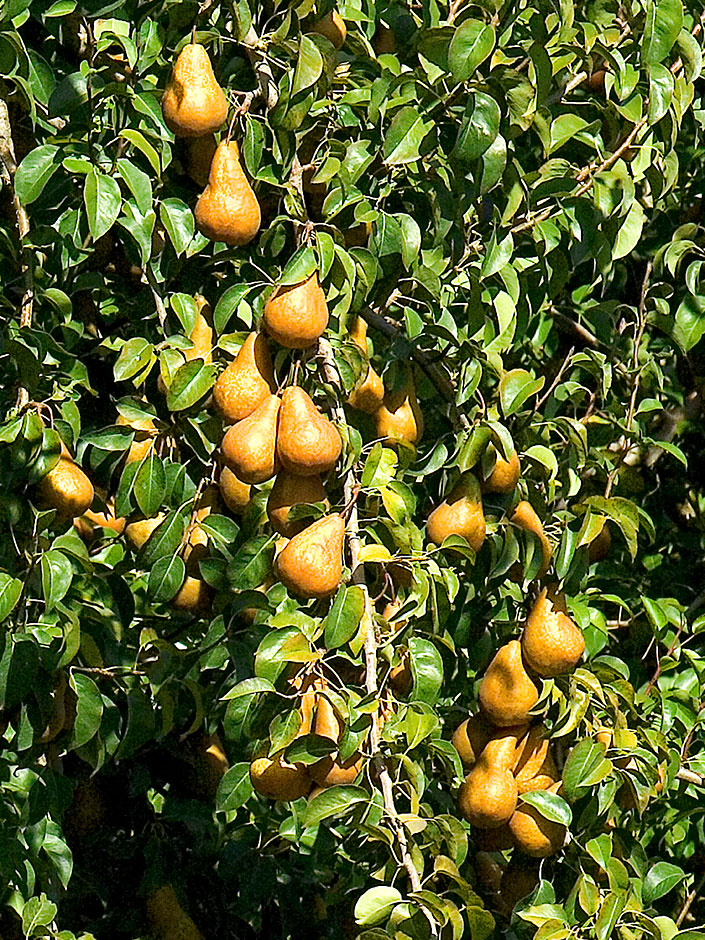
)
(516, 189)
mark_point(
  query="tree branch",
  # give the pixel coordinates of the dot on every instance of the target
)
(267, 88)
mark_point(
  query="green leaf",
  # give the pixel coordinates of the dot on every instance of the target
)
(664, 21)
(10, 591)
(404, 138)
(660, 879)
(344, 616)
(335, 801)
(102, 198)
(689, 325)
(610, 912)
(427, 669)
(515, 388)
(165, 539)
(563, 129)
(309, 65)
(89, 709)
(139, 183)
(34, 172)
(252, 563)
(57, 575)
(135, 356)
(178, 220)
(375, 905)
(140, 723)
(472, 42)
(629, 232)
(248, 687)
(550, 806)
(479, 129)
(37, 912)
(585, 767)
(235, 789)
(299, 267)
(137, 139)
(166, 578)
(150, 484)
(190, 384)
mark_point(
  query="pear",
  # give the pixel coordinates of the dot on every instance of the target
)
(296, 315)
(507, 693)
(399, 417)
(227, 210)
(460, 513)
(600, 545)
(311, 564)
(201, 335)
(332, 26)
(167, 918)
(533, 834)
(493, 840)
(236, 494)
(369, 396)
(88, 524)
(470, 738)
(193, 103)
(276, 778)
(198, 157)
(504, 476)
(249, 447)
(535, 768)
(194, 596)
(401, 677)
(144, 437)
(66, 488)
(551, 642)
(525, 516)
(488, 796)
(290, 490)
(247, 381)
(330, 771)
(206, 764)
(307, 442)
(138, 532)
(518, 880)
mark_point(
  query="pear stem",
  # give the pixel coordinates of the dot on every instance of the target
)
(350, 492)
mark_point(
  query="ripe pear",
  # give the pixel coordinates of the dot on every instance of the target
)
(507, 693)
(198, 157)
(330, 771)
(535, 768)
(295, 316)
(551, 642)
(193, 103)
(201, 335)
(533, 834)
(488, 796)
(236, 494)
(290, 490)
(399, 418)
(311, 563)
(401, 677)
(144, 438)
(600, 546)
(470, 738)
(504, 476)
(369, 396)
(460, 513)
(525, 516)
(194, 596)
(88, 524)
(66, 488)
(276, 778)
(167, 918)
(249, 448)
(227, 210)
(205, 765)
(247, 381)
(138, 532)
(307, 442)
(518, 880)
(493, 840)
(332, 26)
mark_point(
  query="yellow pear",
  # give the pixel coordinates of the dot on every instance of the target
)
(470, 738)
(227, 210)
(401, 677)
(488, 796)
(194, 596)
(201, 335)
(551, 642)
(533, 834)
(236, 494)
(290, 490)
(330, 771)
(369, 396)
(525, 516)
(332, 26)
(247, 381)
(193, 103)
(206, 764)
(88, 524)
(504, 476)
(307, 442)
(295, 316)
(276, 778)
(399, 417)
(198, 156)
(66, 488)
(311, 563)
(138, 532)
(167, 918)
(460, 513)
(249, 448)
(601, 544)
(144, 438)
(535, 768)
(507, 693)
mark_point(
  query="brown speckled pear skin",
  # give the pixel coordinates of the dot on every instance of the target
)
(307, 442)
(525, 516)
(297, 315)
(507, 693)
(201, 335)
(330, 771)
(533, 834)
(236, 494)
(139, 531)
(193, 103)
(249, 448)
(246, 381)
(488, 796)
(332, 26)
(470, 738)
(400, 418)
(369, 395)
(194, 596)
(291, 490)
(198, 156)
(551, 642)
(277, 779)
(504, 475)
(460, 513)
(227, 210)
(66, 488)
(311, 563)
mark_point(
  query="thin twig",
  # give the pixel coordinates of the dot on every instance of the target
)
(688, 903)
(267, 88)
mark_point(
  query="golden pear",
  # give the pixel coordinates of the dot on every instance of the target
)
(535, 768)
(198, 157)
(330, 771)
(600, 546)
(470, 738)
(533, 834)
(401, 677)
(311, 563)
(518, 880)
(66, 488)
(551, 642)
(493, 840)
(206, 764)
(460, 513)
(227, 210)
(332, 26)
(249, 448)
(193, 103)
(208, 502)
(295, 316)
(290, 490)
(236, 494)
(507, 693)
(138, 532)
(369, 396)
(504, 476)
(167, 918)
(276, 778)
(247, 381)
(488, 796)
(88, 524)
(307, 442)
(201, 335)
(194, 596)
(144, 438)
(525, 516)
(399, 418)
